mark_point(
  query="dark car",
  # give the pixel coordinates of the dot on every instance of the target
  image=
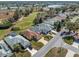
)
(62, 33)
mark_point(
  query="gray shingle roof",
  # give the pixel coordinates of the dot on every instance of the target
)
(42, 28)
(17, 39)
(4, 49)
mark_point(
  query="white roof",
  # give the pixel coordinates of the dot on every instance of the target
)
(55, 6)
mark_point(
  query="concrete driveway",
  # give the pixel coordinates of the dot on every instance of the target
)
(33, 51)
(43, 41)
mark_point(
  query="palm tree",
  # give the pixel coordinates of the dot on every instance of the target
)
(17, 48)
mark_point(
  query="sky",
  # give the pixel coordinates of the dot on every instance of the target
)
(39, 0)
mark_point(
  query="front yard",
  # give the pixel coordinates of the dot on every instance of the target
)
(57, 52)
(47, 37)
(37, 45)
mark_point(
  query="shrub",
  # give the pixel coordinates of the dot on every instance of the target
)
(15, 29)
(69, 39)
(47, 37)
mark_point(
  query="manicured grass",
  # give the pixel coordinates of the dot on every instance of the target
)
(69, 39)
(37, 45)
(47, 37)
(26, 22)
(3, 33)
(57, 52)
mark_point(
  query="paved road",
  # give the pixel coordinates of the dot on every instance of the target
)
(48, 46)
(55, 42)
(72, 48)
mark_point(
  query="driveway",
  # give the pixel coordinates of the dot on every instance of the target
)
(43, 41)
(33, 51)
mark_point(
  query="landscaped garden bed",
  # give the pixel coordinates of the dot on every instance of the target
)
(69, 39)
(47, 37)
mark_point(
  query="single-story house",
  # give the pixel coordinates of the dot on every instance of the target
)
(42, 28)
(14, 39)
(4, 50)
(61, 16)
(30, 35)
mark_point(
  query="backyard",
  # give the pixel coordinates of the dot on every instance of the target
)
(22, 54)
(23, 24)
(26, 22)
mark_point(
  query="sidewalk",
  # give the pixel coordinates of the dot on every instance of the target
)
(70, 53)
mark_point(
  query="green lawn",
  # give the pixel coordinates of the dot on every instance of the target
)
(26, 22)
(47, 37)
(2, 33)
(37, 45)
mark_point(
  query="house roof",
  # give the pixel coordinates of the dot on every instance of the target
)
(55, 6)
(4, 49)
(30, 34)
(12, 40)
(42, 28)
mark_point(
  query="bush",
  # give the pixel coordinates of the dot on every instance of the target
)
(7, 23)
(69, 39)
(47, 37)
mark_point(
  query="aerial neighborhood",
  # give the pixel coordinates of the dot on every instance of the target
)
(39, 29)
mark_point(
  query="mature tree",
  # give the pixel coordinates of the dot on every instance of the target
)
(39, 19)
(26, 12)
(16, 14)
(57, 26)
(72, 26)
(17, 48)
(51, 12)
